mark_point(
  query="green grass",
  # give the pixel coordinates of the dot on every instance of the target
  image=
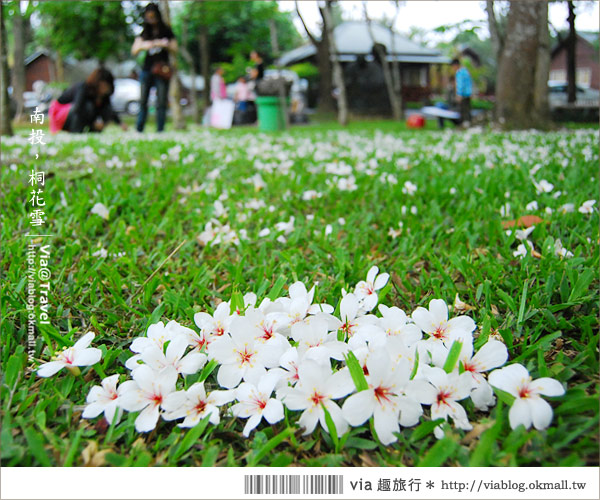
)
(545, 309)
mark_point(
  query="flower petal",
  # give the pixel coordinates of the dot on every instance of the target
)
(49, 369)
(229, 376)
(493, 354)
(519, 414)
(146, 420)
(87, 357)
(541, 413)
(359, 407)
(548, 386)
(273, 411)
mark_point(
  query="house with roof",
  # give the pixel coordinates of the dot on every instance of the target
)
(363, 74)
(587, 69)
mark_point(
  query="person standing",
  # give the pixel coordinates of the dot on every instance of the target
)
(464, 90)
(218, 90)
(157, 40)
(85, 106)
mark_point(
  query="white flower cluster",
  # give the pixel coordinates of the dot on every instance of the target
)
(292, 353)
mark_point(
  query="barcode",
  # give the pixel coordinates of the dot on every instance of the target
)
(289, 484)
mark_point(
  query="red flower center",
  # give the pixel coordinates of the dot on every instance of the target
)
(383, 394)
(245, 356)
(524, 392)
(442, 396)
(316, 398)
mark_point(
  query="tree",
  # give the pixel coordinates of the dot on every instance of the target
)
(20, 25)
(325, 102)
(236, 28)
(5, 125)
(392, 80)
(84, 29)
(523, 65)
(338, 74)
(571, 55)
(175, 84)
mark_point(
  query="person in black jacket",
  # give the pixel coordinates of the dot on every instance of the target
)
(90, 108)
(157, 40)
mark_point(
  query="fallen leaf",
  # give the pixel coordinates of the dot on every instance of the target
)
(495, 311)
(92, 457)
(473, 434)
(460, 306)
(524, 221)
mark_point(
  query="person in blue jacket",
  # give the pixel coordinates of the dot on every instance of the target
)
(464, 90)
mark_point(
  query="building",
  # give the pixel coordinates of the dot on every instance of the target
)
(587, 67)
(39, 66)
(363, 74)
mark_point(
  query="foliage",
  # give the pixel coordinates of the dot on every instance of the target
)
(235, 28)
(305, 70)
(84, 29)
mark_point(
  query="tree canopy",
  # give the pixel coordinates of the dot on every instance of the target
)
(84, 29)
(235, 28)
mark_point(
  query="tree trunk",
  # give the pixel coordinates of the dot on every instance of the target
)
(396, 73)
(175, 84)
(5, 125)
(190, 61)
(205, 63)
(338, 74)
(517, 106)
(325, 103)
(542, 70)
(18, 71)
(60, 67)
(380, 51)
(571, 56)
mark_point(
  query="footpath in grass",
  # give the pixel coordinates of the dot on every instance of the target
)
(149, 228)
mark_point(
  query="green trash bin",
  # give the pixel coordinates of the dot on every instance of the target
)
(270, 114)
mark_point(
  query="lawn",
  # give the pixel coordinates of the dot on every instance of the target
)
(202, 217)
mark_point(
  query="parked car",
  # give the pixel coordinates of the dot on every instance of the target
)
(557, 95)
(127, 94)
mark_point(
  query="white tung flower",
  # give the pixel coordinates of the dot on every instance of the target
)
(450, 389)
(317, 386)
(255, 402)
(146, 392)
(80, 354)
(104, 399)
(435, 323)
(392, 399)
(194, 404)
(528, 407)
(101, 210)
(587, 207)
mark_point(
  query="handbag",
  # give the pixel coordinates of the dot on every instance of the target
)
(162, 70)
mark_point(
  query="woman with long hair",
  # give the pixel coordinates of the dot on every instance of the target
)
(85, 106)
(157, 40)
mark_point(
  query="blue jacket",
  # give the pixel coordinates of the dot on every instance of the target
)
(464, 84)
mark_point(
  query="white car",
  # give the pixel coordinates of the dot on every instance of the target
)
(557, 95)
(127, 94)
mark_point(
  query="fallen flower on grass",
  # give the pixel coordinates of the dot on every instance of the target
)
(255, 402)
(80, 354)
(587, 207)
(317, 386)
(101, 210)
(146, 392)
(104, 399)
(528, 407)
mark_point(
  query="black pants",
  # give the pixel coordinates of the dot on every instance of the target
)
(465, 109)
